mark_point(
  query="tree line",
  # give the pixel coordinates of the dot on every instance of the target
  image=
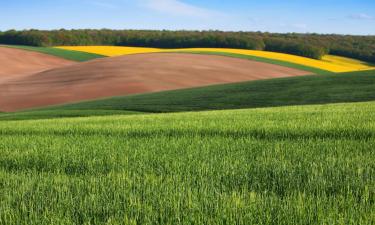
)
(308, 45)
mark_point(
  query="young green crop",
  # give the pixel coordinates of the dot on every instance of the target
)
(288, 165)
(50, 114)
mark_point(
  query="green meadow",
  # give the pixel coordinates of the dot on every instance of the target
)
(283, 165)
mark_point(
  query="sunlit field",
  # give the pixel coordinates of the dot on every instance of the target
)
(288, 165)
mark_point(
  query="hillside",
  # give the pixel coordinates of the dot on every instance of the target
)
(319, 89)
(322, 89)
(132, 74)
(17, 63)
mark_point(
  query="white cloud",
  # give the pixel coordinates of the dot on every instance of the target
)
(178, 8)
(361, 16)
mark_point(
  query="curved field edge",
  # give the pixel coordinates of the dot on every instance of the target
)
(53, 114)
(262, 59)
(81, 56)
(328, 63)
(253, 166)
(233, 55)
(306, 90)
(62, 53)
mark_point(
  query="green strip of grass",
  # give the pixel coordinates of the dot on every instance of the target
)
(62, 53)
(288, 165)
(49, 114)
(313, 70)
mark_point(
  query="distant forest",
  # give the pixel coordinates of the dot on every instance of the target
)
(309, 45)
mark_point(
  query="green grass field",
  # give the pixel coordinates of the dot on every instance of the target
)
(319, 89)
(66, 54)
(287, 165)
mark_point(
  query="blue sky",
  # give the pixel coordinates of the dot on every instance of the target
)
(321, 16)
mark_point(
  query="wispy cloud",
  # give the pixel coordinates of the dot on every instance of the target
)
(361, 16)
(301, 26)
(178, 8)
(254, 19)
(103, 4)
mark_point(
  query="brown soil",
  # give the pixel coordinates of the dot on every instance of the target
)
(16, 63)
(132, 74)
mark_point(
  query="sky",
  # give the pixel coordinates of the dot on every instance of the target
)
(282, 16)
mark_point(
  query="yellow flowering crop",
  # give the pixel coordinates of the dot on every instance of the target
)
(347, 62)
(111, 50)
(329, 62)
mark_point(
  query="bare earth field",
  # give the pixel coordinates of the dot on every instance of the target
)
(16, 63)
(121, 75)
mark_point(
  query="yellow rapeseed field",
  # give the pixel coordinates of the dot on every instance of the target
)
(347, 62)
(329, 62)
(111, 50)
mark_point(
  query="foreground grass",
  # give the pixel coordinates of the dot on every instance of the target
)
(291, 165)
(62, 53)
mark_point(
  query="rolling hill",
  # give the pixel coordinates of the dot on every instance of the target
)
(305, 90)
(318, 89)
(132, 74)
